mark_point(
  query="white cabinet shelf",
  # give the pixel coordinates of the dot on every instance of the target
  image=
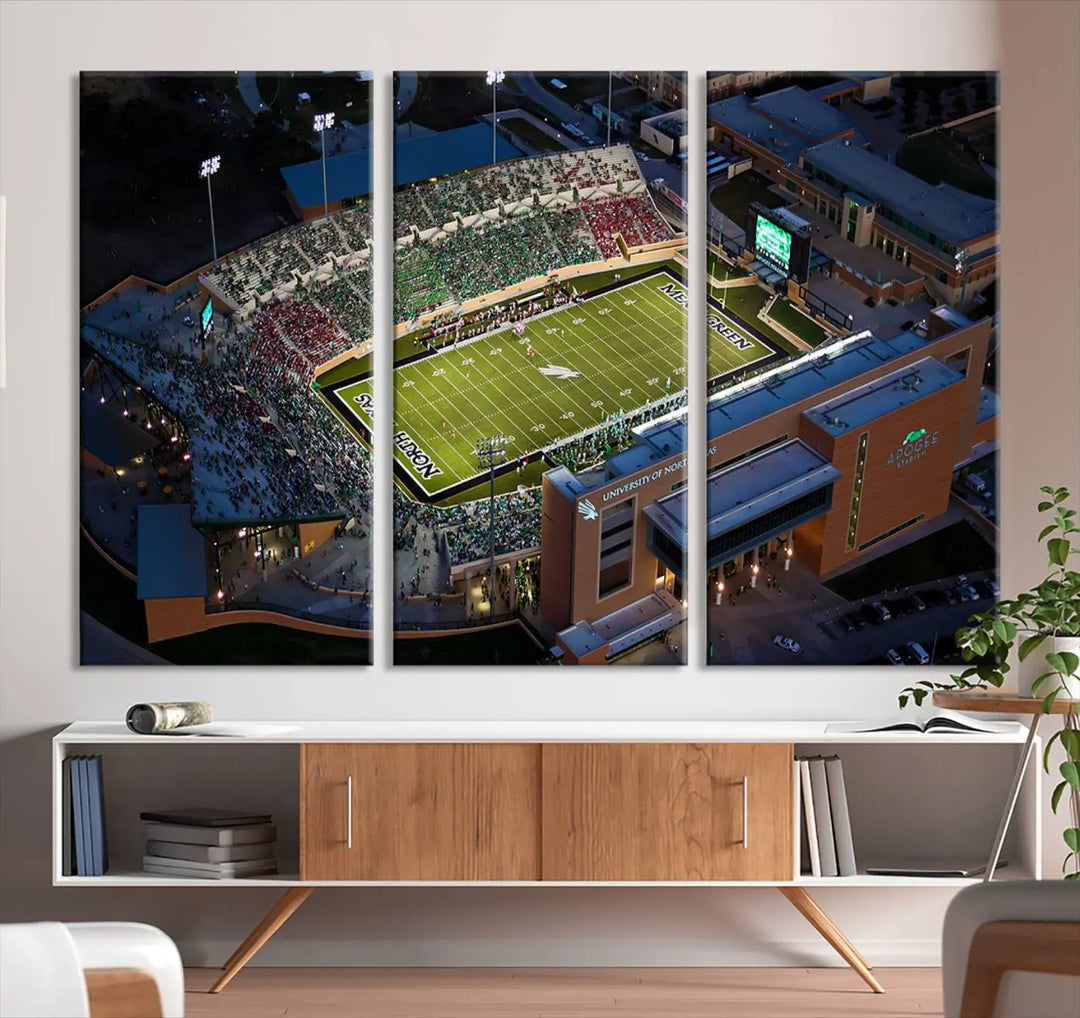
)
(910, 795)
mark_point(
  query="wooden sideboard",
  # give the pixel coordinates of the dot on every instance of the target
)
(531, 804)
(566, 812)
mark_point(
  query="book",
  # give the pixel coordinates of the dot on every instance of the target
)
(67, 861)
(153, 864)
(83, 858)
(819, 788)
(942, 721)
(210, 853)
(94, 803)
(841, 818)
(800, 835)
(811, 823)
(172, 871)
(245, 835)
(948, 866)
(203, 816)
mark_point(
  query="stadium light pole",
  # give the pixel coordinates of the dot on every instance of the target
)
(208, 168)
(323, 122)
(488, 452)
(494, 79)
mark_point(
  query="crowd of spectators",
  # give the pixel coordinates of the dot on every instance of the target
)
(464, 528)
(285, 257)
(634, 217)
(587, 451)
(433, 203)
(240, 467)
(495, 254)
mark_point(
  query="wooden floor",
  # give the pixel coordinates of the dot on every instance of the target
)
(564, 993)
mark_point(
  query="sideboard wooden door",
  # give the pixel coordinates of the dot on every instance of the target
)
(433, 811)
(661, 811)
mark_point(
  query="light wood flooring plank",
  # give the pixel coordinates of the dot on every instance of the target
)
(564, 993)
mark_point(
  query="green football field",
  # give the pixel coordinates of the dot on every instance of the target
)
(614, 352)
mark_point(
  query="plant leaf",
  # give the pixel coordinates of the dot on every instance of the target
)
(1072, 838)
(1071, 773)
(1058, 549)
(1055, 797)
(1043, 506)
(1048, 700)
(1031, 643)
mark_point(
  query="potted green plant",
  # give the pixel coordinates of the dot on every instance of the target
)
(1047, 619)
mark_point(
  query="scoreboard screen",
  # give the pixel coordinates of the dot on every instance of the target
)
(774, 243)
(780, 239)
(207, 318)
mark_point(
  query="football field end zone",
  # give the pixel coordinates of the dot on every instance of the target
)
(414, 446)
(773, 355)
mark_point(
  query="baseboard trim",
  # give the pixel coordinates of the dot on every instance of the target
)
(562, 953)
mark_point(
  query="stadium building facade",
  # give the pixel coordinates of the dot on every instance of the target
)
(809, 148)
(832, 455)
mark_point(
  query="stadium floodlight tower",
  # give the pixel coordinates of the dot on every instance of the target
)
(207, 169)
(494, 79)
(489, 452)
(323, 122)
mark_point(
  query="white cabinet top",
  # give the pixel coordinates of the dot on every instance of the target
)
(292, 732)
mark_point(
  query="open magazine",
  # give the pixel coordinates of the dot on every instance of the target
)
(940, 721)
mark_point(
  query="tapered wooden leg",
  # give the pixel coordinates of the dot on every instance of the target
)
(816, 917)
(289, 902)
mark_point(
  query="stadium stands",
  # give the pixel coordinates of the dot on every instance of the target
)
(465, 527)
(255, 274)
(240, 468)
(433, 203)
(482, 232)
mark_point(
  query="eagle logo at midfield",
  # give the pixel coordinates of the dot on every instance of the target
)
(558, 371)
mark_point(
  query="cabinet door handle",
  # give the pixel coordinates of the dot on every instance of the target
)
(745, 811)
(348, 812)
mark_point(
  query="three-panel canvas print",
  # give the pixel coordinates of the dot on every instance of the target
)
(541, 296)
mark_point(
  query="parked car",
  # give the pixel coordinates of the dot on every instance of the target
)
(845, 623)
(787, 643)
(918, 603)
(950, 595)
(893, 657)
(880, 612)
(992, 589)
(918, 651)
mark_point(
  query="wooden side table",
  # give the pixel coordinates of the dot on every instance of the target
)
(1006, 701)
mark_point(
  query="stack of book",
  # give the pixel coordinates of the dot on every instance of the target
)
(86, 853)
(215, 844)
(827, 844)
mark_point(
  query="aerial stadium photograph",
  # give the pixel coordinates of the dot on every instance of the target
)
(853, 255)
(225, 264)
(540, 316)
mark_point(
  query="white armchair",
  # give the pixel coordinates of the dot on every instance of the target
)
(79, 970)
(1011, 949)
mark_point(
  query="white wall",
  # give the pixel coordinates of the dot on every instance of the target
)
(42, 46)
